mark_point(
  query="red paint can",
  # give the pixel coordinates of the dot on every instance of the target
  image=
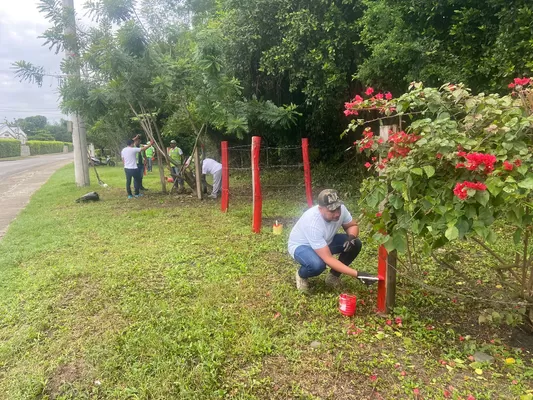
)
(347, 304)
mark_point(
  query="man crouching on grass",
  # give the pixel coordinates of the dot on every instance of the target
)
(314, 240)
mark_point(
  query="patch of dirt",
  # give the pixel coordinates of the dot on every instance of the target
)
(66, 374)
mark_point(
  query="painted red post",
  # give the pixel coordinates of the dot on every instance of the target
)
(256, 184)
(382, 272)
(307, 172)
(225, 177)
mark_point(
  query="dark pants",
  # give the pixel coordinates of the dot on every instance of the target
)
(313, 265)
(140, 167)
(132, 173)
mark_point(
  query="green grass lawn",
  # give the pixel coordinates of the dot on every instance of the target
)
(165, 297)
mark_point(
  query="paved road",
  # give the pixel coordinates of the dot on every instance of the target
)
(19, 179)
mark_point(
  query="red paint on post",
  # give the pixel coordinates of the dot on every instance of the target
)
(382, 273)
(256, 185)
(307, 172)
(225, 177)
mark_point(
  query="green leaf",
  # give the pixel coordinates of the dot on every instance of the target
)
(429, 170)
(517, 236)
(452, 233)
(482, 197)
(417, 171)
(398, 186)
(400, 242)
(526, 183)
(494, 185)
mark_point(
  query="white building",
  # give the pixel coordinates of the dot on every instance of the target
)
(12, 132)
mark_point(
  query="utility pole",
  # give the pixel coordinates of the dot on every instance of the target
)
(79, 134)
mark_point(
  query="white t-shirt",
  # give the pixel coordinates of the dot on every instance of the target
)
(314, 231)
(210, 166)
(129, 155)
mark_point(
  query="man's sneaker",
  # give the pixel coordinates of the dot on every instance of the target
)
(139, 195)
(212, 197)
(333, 281)
(301, 283)
(366, 278)
(130, 196)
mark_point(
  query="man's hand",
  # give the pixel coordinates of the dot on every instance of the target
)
(349, 244)
(366, 278)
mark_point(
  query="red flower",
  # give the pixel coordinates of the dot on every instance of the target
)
(461, 338)
(521, 81)
(380, 140)
(369, 91)
(403, 373)
(398, 321)
(388, 95)
(416, 391)
(358, 99)
(511, 86)
(388, 322)
(508, 166)
(470, 397)
(347, 112)
(368, 165)
(373, 378)
(430, 327)
(518, 162)
(476, 161)
(378, 214)
(514, 382)
(379, 96)
(374, 158)
(438, 156)
(447, 394)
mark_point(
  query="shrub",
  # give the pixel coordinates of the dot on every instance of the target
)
(44, 147)
(9, 148)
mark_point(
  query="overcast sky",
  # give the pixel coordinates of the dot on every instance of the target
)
(20, 25)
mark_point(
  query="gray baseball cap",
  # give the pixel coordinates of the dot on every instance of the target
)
(330, 199)
(173, 142)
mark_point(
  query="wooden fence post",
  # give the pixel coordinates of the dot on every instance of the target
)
(224, 202)
(198, 173)
(307, 172)
(256, 184)
(386, 262)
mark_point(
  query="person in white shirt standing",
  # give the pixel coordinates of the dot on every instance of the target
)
(314, 240)
(129, 158)
(212, 167)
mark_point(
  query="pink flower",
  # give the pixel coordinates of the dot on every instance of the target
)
(347, 112)
(378, 215)
(507, 166)
(514, 382)
(403, 373)
(416, 391)
(438, 156)
(447, 394)
(358, 99)
(461, 338)
(388, 95)
(373, 378)
(470, 397)
(430, 327)
(518, 162)
(368, 165)
(388, 322)
(379, 96)
(398, 321)
(369, 91)
(511, 86)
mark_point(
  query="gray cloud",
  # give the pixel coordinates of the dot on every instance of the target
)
(19, 41)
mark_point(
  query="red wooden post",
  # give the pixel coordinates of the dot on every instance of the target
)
(307, 172)
(382, 272)
(225, 177)
(256, 184)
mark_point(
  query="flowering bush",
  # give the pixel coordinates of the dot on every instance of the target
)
(462, 162)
